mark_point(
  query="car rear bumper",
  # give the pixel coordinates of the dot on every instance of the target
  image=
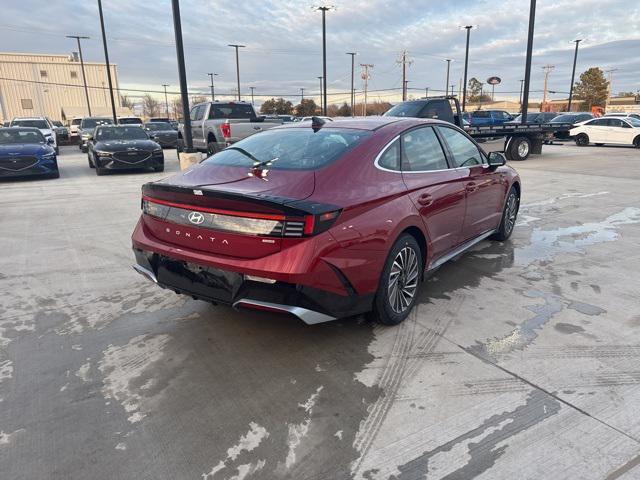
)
(312, 290)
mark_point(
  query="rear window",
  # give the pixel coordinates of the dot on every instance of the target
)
(231, 110)
(481, 114)
(405, 109)
(290, 149)
(564, 119)
(129, 121)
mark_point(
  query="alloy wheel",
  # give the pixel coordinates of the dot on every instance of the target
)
(403, 280)
(523, 149)
(510, 213)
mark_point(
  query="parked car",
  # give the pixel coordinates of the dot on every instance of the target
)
(163, 133)
(120, 147)
(25, 151)
(42, 124)
(488, 117)
(62, 133)
(536, 117)
(87, 125)
(74, 127)
(608, 130)
(354, 215)
(174, 124)
(622, 114)
(130, 121)
(572, 118)
(216, 125)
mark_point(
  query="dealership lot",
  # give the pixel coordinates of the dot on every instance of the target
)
(521, 359)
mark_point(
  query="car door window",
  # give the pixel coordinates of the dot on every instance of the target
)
(464, 151)
(614, 122)
(390, 158)
(421, 151)
(599, 122)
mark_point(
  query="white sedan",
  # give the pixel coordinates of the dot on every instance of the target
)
(616, 131)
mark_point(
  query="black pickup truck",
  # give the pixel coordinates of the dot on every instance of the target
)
(516, 140)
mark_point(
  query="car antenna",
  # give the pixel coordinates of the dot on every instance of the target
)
(316, 123)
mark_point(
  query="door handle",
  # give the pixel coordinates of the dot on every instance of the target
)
(425, 199)
(471, 187)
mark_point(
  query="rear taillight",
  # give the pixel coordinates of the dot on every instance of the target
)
(225, 128)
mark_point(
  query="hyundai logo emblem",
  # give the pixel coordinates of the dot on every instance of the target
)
(196, 218)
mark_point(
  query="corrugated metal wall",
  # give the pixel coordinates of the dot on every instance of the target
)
(50, 100)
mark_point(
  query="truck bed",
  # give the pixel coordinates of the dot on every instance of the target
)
(492, 131)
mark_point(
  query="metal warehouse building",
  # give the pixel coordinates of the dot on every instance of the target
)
(52, 86)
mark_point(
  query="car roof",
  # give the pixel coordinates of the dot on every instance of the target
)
(20, 128)
(367, 123)
(29, 118)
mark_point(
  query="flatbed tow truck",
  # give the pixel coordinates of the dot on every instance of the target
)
(516, 140)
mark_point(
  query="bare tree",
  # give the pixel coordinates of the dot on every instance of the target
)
(126, 102)
(150, 106)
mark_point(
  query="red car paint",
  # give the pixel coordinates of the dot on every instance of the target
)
(374, 206)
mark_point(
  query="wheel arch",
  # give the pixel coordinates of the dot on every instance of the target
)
(419, 236)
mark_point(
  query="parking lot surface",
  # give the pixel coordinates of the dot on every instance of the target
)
(520, 361)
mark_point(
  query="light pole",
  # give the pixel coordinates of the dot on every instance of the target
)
(527, 68)
(353, 99)
(84, 77)
(213, 89)
(106, 59)
(320, 78)
(466, 66)
(446, 85)
(166, 99)
(252, 89)
(573, 73)
(184, 93)
(521, 82)
(237, 65)
(301, 94)
(324, 10)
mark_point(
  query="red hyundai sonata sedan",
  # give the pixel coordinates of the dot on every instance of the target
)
(325, 220)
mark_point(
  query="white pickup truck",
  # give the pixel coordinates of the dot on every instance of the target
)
(216, 125)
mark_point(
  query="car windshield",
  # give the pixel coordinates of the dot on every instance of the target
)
(290, 149)
(405, 109)
(633, 121)
(157, 126)
(76, 121)
(57, 124)
(10, 136)
(129, 121)
(30, 123)
(94, 122)
(120, 133)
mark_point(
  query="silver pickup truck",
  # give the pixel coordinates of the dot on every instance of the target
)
(216, 125)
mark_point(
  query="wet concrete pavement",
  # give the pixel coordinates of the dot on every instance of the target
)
(520, 361)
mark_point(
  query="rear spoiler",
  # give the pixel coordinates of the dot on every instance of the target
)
(203, 195)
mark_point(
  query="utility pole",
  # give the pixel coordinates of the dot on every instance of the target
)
(446, 85)
(84, 77)
(182, 75)
(106, 60)
(406, 88)
(527, 65)
(301, 95)
(521, 82)
(166, 99)
(237, 66)
(252, 89)
(547, 69)
(353, 96)
(365, 77)
(320, 78)
(324, 10)
(573, 73)
(404, 62)
(452, 87)
(609, 89)
(426, 92)
(466, 66)
(213, 89)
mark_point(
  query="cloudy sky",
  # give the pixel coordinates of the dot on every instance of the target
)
(283, 41)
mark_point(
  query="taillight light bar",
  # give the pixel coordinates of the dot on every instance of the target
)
(225, 128)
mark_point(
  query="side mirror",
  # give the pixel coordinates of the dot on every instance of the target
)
(50, 140)
(496, 159)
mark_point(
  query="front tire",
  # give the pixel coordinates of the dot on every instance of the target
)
(582, 140)
(399, 282)
(158, 168)
(100, 171)
(509, 216)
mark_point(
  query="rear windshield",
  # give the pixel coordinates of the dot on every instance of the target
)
(18, 135)
(120, 133)
(157, 126)
(93, 122)
(564, 119)
(31, 123)
(129, 121)
(405, 109)
(76, 121)
(633, 121)
(231, 110)
(290, 149)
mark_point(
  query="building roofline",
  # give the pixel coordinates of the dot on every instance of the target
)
(50, 55)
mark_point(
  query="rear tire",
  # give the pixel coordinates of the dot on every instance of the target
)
(582, 140)
(519, 148)
(399, 282)
(509, 216)
(180, 145)
(212, 148)
(636, 142)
